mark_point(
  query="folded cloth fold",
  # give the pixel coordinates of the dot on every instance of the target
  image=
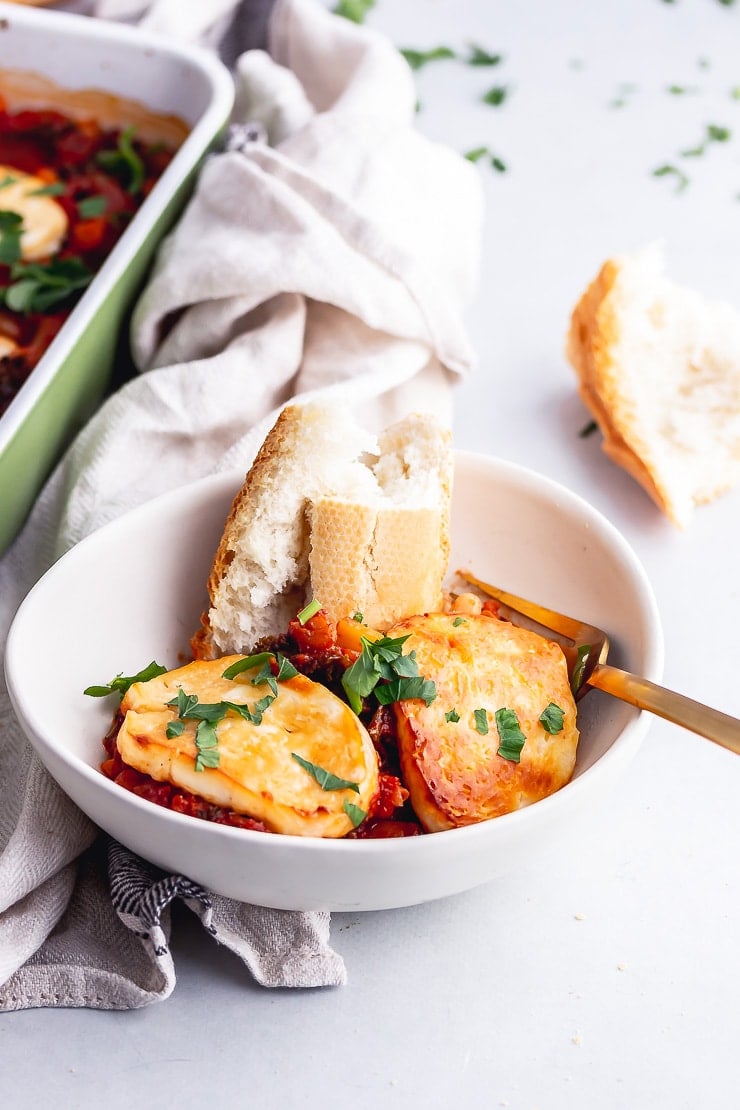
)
(334, 258)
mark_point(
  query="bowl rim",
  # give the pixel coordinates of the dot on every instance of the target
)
(621, 750)
(76, 26)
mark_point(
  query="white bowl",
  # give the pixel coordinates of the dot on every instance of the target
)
(133, 592)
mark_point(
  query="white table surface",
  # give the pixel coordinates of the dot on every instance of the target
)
(605, 976)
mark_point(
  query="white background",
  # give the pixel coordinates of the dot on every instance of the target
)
(605, 976)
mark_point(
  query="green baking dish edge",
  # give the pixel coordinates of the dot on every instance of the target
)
(75, 390)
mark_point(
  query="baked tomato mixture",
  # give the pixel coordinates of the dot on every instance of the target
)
(68, 190)
(473, 719)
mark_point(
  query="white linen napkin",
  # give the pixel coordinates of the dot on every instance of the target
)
(336, 258)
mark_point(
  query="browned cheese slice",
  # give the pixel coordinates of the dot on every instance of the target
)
(256, 773)
(453, 771)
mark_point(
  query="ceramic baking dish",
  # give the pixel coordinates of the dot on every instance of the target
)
(113, 65)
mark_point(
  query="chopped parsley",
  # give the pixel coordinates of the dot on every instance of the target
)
(263, 663)
(714, 134)
(495, 95)
(588, 429)
(206, 743)
(90, 207)
(11, 228)
(384, 670)
(53, 189)
(355, 813)
(419, 58)
(582, 655)
(309, 611)
(325, 779)
(124, 162)
(668, 170)
(358, 616)
(458, 621)
(477, 56)
(208, 715)
(478, 153)
(551, 718)
(37, 287)
(452, 716)
(717, 134)
(511, 737)
(481, 721)
(120, 684)
(354, 10)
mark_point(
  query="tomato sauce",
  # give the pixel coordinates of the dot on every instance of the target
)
(100, 177)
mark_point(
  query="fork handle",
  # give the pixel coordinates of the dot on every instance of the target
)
(718, 727)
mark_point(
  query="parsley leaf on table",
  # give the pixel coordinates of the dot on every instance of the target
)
(354, 10)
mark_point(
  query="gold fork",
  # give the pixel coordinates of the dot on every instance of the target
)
(586, 648)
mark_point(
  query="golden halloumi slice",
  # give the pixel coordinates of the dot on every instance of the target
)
(45, 222)
(256, 773)
(450, 763)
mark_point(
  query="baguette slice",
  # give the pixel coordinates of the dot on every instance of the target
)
(659, 370)
(328, 511)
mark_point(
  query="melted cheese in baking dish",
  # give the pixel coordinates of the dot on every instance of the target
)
(451, 768)
(256, 773)
(44, 221)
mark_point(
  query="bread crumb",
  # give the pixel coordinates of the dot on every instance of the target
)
(577, 1038)
(580, 916)
(621, 967)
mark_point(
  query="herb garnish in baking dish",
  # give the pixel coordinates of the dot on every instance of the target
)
(124, 162)
(37, 288)
(11, 226)
(68, 190)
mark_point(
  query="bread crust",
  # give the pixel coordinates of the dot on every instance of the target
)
(368, 534)
(264, 474)
(593, 334)
(658, 367)
(384, 563)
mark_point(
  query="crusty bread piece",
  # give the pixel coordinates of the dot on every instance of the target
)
(659, 369)
(328, 511)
